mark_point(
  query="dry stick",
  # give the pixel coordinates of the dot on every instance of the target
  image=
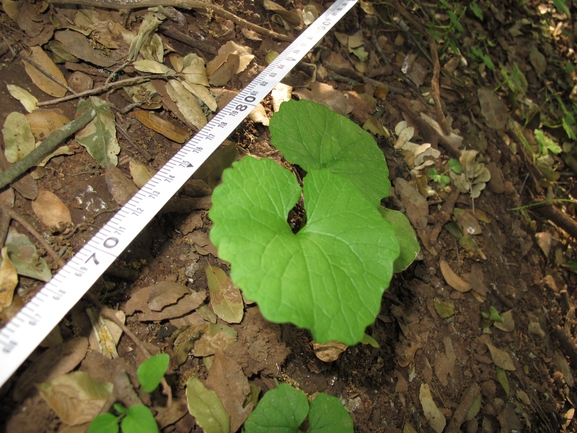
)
(109, 314)
(460, 413)
(444, 215)
(184, 4)
(18, 218)
(102, 89)
(171, 32)
(48, 146)
(435, 88)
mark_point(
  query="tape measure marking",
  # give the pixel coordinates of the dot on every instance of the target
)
(45, 310)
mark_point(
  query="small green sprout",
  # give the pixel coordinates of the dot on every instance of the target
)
(493, 315)
(137, 418)
(286, 408)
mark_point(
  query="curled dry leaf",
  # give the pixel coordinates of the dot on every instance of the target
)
(453, 279)
(162, 126)
(186, 103)
(330, 351)
(185, 305)
(50, 209)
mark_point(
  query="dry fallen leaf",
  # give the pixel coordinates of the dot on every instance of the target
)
(162, 126)
(140, 173)
(50, 209)
(330, 351)
(453, 279)
(492, 108)
(226, 378)
(76, 397)
(508, 324)
(500, 358)
(54, 362)
(8, 280)
(42, 123)
(225, 297)
(44, 83)
(435, 417)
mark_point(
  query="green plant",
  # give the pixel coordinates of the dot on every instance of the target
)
(137, 418)
(328, 277)
(493, 315)
(285, 409)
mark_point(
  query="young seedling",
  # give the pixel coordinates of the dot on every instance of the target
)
(137, 418)
(286, 408)
(328, 277)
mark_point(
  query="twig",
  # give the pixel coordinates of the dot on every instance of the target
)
(366, 80)
(444, 216)
(460, 413)
(109, 314)
(102, 89)
(173, 33)
(185, 4)
(20, 220)
(48, 146)
(142, 150)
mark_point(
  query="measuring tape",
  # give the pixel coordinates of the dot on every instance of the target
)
(47, 308)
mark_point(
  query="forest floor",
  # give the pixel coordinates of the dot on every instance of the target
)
(484, 319)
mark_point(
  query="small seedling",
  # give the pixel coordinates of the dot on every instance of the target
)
(328, 277)
(286, 408)
(493, 315)
(137, 418)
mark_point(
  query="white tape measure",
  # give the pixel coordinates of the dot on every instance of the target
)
(39, 316)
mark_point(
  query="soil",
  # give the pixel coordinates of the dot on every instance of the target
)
(519, 265)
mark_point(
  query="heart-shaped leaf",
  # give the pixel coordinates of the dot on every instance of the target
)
(314, 137)
(330, 276)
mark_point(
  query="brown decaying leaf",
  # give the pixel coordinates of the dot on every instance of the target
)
(226, 378)
(44, 83)
(434, 416)
(50, 209)
(164, 294)
(121, 188)
(453, 279)
(78, 46)
(54, 362)
(508, 324)
(43, 123)
(492, 108)
(139, 302)
(8, 280)
(164, 127)
(225, 298)
(500, 357)
(76, 397)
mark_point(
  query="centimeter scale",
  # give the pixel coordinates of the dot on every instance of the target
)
(47, 308)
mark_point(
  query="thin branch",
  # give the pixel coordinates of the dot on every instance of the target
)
(102, 89)
(48, 146)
